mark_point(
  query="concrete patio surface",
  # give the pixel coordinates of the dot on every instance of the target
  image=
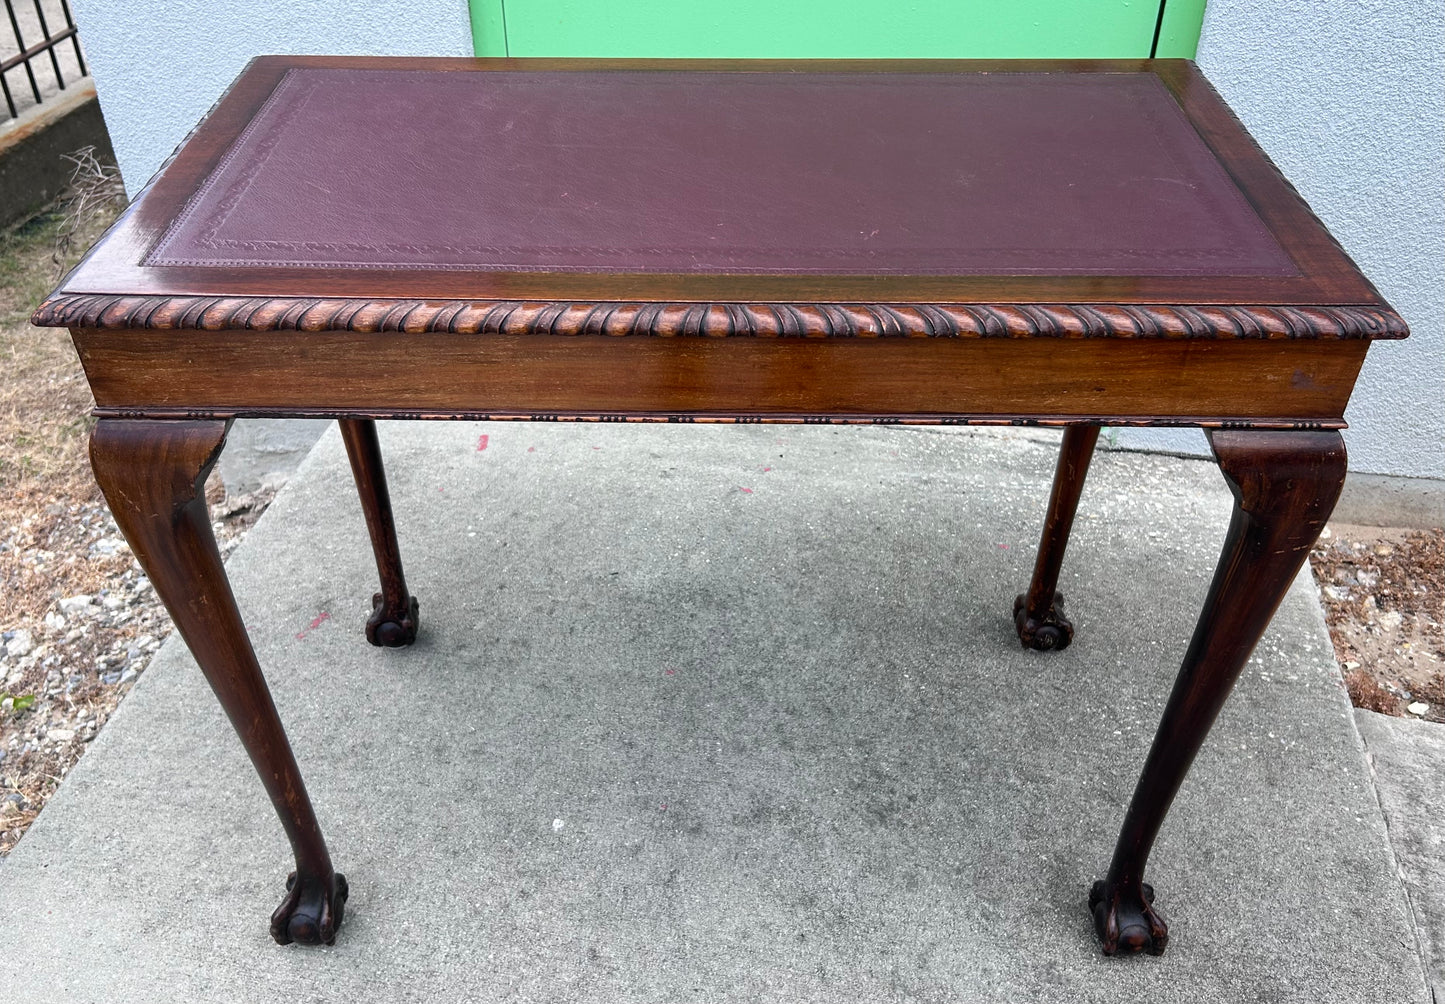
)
(1408, 761)
(722, 713)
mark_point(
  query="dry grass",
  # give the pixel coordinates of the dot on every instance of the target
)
(50, 509)
(68, 582)
(44, 399)
(1369, 693)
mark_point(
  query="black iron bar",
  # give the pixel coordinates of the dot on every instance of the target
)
(20, 42)
(28, 53)
(37, 49)
(50, 45)
(75, 36)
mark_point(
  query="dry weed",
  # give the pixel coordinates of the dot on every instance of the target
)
(44, 399)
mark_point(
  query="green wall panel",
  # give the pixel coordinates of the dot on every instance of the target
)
(838, 28)
(1179, 29)
(489, 28)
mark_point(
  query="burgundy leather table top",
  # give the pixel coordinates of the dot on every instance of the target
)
(920, 173)
(821, 198)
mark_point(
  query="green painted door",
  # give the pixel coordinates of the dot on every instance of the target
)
(837, 28)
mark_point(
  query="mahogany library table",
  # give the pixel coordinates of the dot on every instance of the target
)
(1071, 244)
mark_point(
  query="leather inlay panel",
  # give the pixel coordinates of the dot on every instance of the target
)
(704, 172)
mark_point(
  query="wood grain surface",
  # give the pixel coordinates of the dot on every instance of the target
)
(1273, 383)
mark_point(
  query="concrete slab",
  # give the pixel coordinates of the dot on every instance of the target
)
(265, 452)
(718, 712)
(1408, 760)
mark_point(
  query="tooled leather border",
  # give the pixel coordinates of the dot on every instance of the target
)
(818, 320)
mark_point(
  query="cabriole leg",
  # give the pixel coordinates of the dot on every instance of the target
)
(394, 613)
(1039, 613)
(153, 474)
(1285, 485)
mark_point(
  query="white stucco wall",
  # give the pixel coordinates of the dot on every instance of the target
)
(160, 64)
(1349, 100)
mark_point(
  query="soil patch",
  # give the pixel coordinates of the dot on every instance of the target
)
(1383, 592)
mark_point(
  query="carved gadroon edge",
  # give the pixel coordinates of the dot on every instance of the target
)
(819, 320)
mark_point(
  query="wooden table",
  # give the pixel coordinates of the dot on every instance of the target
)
(1072, 244)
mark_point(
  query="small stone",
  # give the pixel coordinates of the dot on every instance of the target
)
(54, 622)
(109, 545)
(1384, 550)
(19, 643)
(112, 601)
(1390, 619)
(60, 735)
(75, 604)
(1337, 593)
(127, 676)
(1418, 708)
(557, 824)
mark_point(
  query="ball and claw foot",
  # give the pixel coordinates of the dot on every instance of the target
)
(1126, 921)
(1051, 631)
(387, 628)
(311, 912)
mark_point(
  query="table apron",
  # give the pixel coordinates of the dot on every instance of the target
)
(1266, 383)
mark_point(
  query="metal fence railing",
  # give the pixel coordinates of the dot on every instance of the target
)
(36, 40)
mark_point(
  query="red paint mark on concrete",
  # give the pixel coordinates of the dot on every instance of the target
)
(766, 469)
(531, 449)
(670, 672)
(1003, 547)
(597, 447)
(482, 443)
(316, 622)
(747, 491)
(663, 805)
